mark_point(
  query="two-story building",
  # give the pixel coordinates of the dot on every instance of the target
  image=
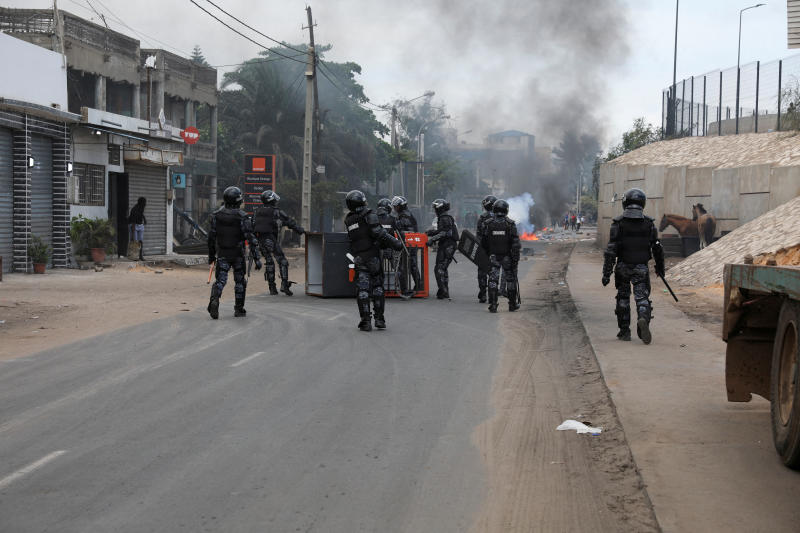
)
(133, 106)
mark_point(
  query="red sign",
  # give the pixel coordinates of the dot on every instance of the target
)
(259, 176)
(259, 165)
(190, 135)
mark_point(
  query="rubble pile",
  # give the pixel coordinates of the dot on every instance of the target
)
(775, 233)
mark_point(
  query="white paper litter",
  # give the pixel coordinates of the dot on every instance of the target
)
(579, 427)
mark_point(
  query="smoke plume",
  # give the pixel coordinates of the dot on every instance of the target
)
(519, 210)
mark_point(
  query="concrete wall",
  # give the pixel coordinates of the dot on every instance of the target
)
(733, 195)
(32, 74)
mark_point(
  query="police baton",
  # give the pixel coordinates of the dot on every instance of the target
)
(668, 287)
(210, 271)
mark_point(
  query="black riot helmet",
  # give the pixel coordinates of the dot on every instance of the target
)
(232, 197)
(399, 202)
(384, 206)
(634, 197)
(440, 206)
(270, 198)
(500, 208)
(355, 199)
(488, 202)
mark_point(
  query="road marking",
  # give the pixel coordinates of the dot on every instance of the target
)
(8, 480)
(337, 315)
(248, 358)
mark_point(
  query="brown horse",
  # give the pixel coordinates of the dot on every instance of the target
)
(706, 224)
(685, 226)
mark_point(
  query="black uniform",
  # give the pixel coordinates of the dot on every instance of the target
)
(633, 242)
(446, 235)
(501, 242)
(230, 228)
(367, 237)
(267, 224)
(483, 275)
(406, 223)
(391, 226)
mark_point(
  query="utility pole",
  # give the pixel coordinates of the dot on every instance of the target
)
(673, 102)
(317, 123)
(394, 147)
(308, 133)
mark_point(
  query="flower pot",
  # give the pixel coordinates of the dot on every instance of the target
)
(98, 255)
(39, 268)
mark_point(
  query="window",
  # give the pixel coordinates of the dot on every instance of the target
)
(91, 183)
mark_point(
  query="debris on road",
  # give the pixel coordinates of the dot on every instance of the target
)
(579, 427)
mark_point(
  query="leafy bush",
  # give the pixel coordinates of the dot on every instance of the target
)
(88, 233)
(38, 250)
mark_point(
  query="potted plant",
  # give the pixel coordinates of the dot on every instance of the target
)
(39, 253)
(93, 235)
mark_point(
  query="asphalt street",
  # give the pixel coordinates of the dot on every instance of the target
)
(289, 419)
(293, 420)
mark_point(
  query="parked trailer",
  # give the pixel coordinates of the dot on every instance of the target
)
(762, 328)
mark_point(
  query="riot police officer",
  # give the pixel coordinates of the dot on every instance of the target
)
(633, 241)
(406, 223)
(389, 223)
(446, 235)
(230, 228)
(501, 242)
(488, 204)
(267, 223)
(367, 237)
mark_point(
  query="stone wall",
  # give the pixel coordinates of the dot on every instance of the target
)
(734, 196)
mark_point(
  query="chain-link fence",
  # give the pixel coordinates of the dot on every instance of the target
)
(706, 104)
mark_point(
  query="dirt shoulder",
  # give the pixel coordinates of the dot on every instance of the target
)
(41, 312)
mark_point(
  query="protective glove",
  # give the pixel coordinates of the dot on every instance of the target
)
(211, 259)
(300, 230)
(606, 280)
(660, 271)
(397, 245)
(258, 264)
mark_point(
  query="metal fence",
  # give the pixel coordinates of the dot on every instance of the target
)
(706, 105)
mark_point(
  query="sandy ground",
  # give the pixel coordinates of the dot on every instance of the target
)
(62, 306)
(541, 479)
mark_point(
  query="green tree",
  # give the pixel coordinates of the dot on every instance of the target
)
(198, 57)
(640, 135)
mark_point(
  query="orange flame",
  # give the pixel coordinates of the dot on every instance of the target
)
(529, 236)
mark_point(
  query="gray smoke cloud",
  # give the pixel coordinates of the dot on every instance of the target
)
(544, 64)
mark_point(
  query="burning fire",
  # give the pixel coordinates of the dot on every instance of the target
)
(528, 236)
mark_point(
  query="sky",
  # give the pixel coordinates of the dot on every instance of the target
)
(540, 66)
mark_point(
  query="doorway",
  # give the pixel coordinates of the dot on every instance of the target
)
(118, 209)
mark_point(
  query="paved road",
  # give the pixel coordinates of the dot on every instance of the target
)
(288, 420)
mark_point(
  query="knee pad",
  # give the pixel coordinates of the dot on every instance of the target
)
(283, 262)
(363, 295)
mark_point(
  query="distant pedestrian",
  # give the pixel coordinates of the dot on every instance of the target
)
(573, 221)
(136, 224)
(578, 223)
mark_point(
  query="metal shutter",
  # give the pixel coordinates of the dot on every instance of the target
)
(42, 188)
(6, 199)
(150, 182)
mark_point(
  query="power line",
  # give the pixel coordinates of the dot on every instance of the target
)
(242, 34)
(255, 30)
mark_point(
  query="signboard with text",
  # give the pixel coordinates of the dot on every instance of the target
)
(259, 176)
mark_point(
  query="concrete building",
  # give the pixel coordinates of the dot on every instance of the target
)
(503, 162)
(132, 110)
(35, 156)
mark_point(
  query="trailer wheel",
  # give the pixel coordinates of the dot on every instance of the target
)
(785, 389)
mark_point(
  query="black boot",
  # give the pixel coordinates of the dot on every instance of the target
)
(643, 323)
(366, 317)
(482, 295)
(238, 307)
(492, 300)
(141, 252)
(378, 305)
(285, 287)
(624, 334)
(213, 304)
(273, 289)
(513, 305)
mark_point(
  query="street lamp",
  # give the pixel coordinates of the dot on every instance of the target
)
(421, 159)
(738, 59)
(426, 94)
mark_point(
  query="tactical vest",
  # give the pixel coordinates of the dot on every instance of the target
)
(358, 232)
(407, 221)
(634, 240)
(388, 222)
(265, 221)
(229, 233)
(450, 223)
(497, 231)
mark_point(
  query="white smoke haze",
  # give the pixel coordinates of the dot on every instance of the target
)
(519, 210)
